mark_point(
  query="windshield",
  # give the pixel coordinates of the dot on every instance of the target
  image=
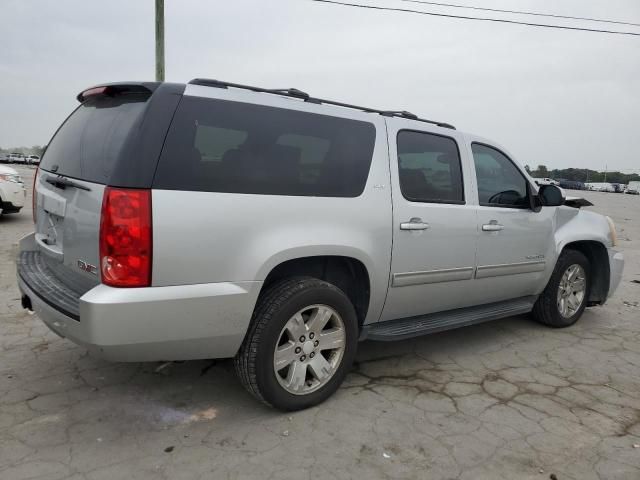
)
(90, 141)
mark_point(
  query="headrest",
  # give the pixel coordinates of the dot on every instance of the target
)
(447, 158)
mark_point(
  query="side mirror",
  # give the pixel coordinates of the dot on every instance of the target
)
(550, 196)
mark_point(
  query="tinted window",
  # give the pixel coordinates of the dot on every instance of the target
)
(429, 168)
(222, 146)
(92, 138)
(500, 183)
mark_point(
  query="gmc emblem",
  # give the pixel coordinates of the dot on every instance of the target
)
(87, 267)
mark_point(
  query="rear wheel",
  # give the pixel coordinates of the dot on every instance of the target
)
(300, 345)
(565, 297)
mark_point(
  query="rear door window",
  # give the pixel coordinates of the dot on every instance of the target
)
(223, 146)
(90, 141)
(429, 168)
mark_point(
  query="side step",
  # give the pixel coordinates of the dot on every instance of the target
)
(438, 322)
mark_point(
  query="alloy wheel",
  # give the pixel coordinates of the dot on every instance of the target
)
(309, 349)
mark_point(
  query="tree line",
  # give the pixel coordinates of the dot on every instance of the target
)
(33, 150)
(582, 175)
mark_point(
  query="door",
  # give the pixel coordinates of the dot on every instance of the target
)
(434, 226)
(515, 243)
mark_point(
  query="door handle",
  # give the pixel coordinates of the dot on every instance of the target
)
(492, 226)
(414, 224)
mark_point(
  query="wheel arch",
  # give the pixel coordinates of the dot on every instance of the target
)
(596, 253)
(348, 273)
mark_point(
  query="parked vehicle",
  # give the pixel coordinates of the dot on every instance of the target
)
(12, 191)
(600, 187)
(33, 160)
(571, 184)
(546, 181)
(618, 187)
(633, 188)
(16, 158)
(213, 220)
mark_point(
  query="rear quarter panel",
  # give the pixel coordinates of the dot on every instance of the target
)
(205, 237)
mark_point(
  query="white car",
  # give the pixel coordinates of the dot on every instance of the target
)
(633, 188)
(12, 191)
(16, 158)
(600, 187)
(33, 159)
(546, 181)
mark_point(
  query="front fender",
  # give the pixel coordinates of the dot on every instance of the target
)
(580, 225)
(589, 232)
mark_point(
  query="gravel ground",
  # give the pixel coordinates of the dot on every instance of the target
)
(504, 400)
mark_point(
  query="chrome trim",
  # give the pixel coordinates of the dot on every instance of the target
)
(405, 279)
(484, 271)
(414, 224)
(492, 227)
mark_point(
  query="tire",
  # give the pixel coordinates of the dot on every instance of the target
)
(547, 309)
(279, 308)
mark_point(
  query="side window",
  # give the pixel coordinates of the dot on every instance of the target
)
(313, 151)
(429, 168)
(500, 183)
(213, 142)
(234, 147)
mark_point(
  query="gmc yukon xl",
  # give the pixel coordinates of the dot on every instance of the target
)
(214, 220)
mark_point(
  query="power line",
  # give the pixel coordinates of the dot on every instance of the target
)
(519, 12)
(464, 17)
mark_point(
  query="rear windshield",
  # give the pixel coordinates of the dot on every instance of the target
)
(92, 138)
(222, 146)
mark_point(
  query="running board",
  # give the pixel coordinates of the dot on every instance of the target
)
(438, 322)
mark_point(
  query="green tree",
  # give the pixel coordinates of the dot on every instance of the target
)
(542, 171)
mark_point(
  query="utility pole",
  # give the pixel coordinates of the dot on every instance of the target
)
(605, 174)
(159, 40)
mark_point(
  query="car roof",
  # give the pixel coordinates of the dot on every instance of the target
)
(280, 95)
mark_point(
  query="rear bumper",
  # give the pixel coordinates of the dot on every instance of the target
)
(12, 197)
(180, 322)
(616, 266)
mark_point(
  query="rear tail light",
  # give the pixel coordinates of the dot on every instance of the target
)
(125, 238)
(34, 201)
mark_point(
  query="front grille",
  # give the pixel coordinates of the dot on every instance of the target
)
(40, 279)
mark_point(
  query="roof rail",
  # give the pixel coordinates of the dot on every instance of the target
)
(295, 93)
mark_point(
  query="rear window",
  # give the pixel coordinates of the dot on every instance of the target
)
(222, 146)
(90, 141)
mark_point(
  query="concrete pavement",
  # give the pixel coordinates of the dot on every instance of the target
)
(504, 400)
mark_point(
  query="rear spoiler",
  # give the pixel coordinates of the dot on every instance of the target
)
(577, 202)
(111, 89)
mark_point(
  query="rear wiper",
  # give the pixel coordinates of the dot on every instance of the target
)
(62, 183)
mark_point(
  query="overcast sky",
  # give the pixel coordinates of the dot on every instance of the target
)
(562, 98)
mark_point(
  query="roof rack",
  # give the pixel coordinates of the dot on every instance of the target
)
(295, 93)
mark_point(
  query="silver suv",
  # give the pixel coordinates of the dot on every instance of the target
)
(215, 220)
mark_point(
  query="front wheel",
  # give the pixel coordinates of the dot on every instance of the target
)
(565, 297)
(300, 345)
